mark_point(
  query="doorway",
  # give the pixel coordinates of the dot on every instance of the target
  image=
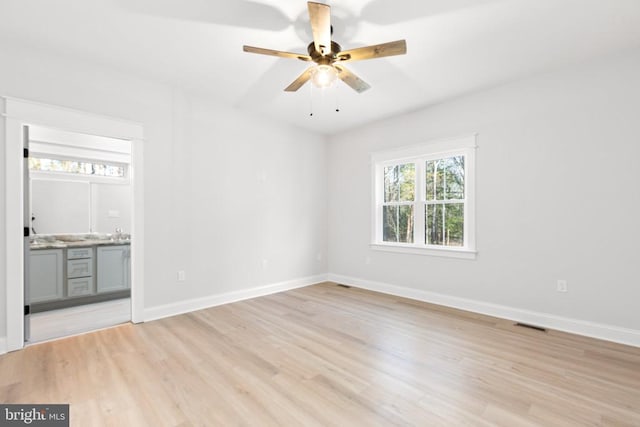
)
(18, 115)
(78, 200)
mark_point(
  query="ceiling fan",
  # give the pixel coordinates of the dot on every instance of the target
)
(328, 56)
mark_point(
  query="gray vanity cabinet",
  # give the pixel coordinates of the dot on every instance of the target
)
(113, 268)
(79, 272)
(45, 275)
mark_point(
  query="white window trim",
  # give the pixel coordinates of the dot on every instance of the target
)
(465, 145)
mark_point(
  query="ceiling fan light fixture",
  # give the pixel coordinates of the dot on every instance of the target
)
(324, 76)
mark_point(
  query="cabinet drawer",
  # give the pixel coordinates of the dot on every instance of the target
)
(79, 268)
(77, 253)
(81, 286)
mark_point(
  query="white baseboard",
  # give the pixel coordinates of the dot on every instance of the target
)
(3, 345)
(565, 324)
(187, 306)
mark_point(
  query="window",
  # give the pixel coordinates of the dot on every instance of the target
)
(398, 206)
(444, 201)
(82, 167)
(424, 199)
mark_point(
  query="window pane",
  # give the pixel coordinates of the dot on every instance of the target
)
(434, 235)
(400, 183)
(397, 224)
(75, 167)
(445, 224)
(405, 224)
(454, 224)
(407, 182)
(390, 223)
(435, 183)
(445, 178)
(453, 170)
(391, 184)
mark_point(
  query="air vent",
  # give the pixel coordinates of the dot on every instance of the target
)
(344, 286)
(537, 328)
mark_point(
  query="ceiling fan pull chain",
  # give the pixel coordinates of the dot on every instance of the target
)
(337, 100)
(310, 100)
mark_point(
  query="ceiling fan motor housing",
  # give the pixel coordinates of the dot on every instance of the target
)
(321, 59)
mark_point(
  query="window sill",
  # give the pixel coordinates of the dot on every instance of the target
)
(458, 253)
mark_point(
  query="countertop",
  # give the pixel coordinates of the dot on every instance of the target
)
(62, 241)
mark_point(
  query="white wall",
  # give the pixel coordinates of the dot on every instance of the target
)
(207, 210)
(557, 195)
(3, 238)
(557, 188)
(111, 207)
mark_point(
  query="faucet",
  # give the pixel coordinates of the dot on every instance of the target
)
(118, 234)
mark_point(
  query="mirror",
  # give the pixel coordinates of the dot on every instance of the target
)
(79, 183)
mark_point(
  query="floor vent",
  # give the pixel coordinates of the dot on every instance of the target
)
(344, 286)
(537, 328)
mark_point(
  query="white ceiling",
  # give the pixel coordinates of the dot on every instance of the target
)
(454, 46)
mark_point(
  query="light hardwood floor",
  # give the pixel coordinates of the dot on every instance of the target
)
(326, 355)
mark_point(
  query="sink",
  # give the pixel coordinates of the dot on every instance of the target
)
(71, 238)
(103, 237)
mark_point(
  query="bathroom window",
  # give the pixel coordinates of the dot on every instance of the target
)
(77, 167)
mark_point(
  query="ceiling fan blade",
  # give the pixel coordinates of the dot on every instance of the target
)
(355, 82)
(398, 47)
(301, 80)
(320, 19)
(278, 53)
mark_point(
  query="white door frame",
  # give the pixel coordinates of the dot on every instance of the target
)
(18, 113)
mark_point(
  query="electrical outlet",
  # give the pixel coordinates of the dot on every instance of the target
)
(562, 286)
(319, 256)
(367, 260)
(182, 276)
(265, 264)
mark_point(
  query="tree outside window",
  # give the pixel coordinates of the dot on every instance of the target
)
(398, 209)
(445, 201)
